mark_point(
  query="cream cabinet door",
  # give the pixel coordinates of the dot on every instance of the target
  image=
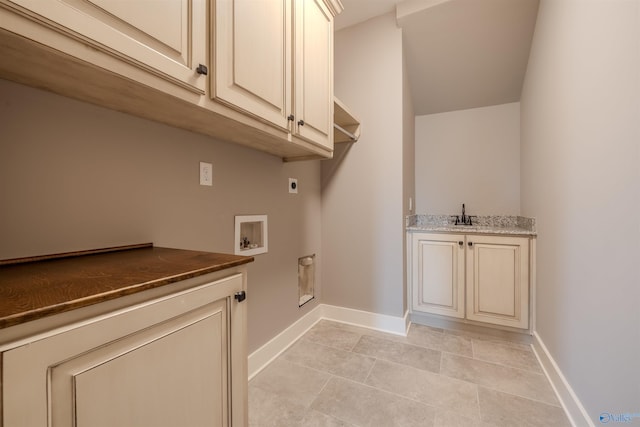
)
(313, 64)
(498, 280)
(173, 361)
(252, 51)
(438, 274)
(166, 38)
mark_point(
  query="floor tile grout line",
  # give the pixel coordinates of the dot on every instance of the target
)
(434, 373)
(478, 399)
(397, 395)
(501, 391)
(533, 371)
(322, 344)
(499, 365)
(310, 407)
(521, 397)
(405, 364)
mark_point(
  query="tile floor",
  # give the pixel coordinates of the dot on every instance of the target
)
(341, 375)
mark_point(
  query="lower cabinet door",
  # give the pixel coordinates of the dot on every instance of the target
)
(165, 363)
(438, 274)
(498, 280)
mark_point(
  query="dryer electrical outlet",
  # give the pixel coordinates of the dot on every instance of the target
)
(293, 186)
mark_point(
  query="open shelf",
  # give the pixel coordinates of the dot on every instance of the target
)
(346, 127)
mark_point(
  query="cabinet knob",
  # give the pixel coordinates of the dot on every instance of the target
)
(460, 242)
(470, 244)
(301, 122)
(291, 118)
(202, 69)
(240, 296)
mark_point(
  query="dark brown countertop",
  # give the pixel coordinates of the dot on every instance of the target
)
(32, 288)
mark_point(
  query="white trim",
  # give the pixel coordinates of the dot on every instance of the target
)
(570, 403)
(260, 358)
(365, 319)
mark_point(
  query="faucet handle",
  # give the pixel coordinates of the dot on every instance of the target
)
(457, 218)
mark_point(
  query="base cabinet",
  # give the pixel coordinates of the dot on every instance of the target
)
(438, 273)
(480, 278)
(175, 360)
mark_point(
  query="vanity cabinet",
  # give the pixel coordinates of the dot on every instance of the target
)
(166, 39)
(167, 356)
(476, 277)
(274, 60)
(437, 271)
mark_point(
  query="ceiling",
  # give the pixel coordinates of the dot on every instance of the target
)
(460, 54)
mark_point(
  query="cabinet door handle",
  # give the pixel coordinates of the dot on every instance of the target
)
(460, 242)
(301, 122)
(291, 118)
(240, 296)
(202, 69)
(470, 244)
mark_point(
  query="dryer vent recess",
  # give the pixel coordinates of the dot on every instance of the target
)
(306, 278)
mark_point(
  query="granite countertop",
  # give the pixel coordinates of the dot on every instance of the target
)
(32, 288)
(493, 224)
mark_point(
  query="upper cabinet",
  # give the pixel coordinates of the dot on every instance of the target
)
(252, 51)
(274, 60)
(258, 73)
(167, 40)
(313, 67)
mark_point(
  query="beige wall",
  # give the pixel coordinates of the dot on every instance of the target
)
(408, 160)
(362, 206)
(75, 176)
(469, 156)
(581, 180)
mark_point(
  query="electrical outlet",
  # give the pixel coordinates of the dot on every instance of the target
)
(206, 174)
(293, 186)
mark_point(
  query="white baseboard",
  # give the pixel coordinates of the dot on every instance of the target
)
(260, 358)
(366, 319)
(572, 406)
